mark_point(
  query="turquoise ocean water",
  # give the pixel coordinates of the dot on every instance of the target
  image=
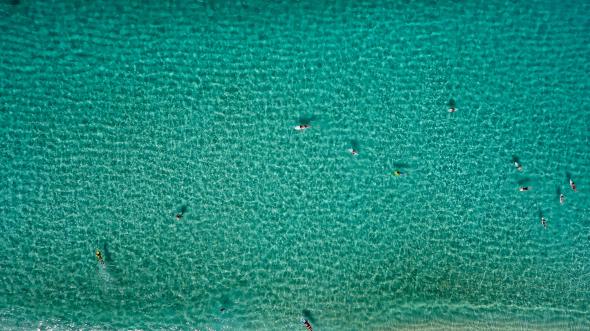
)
(115, 115)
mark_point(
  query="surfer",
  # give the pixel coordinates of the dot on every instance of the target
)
(353, 151)
(561, 198)
(573, 185)
(302, 127)
(544, 222)
(452, 110)
(179, 216)
(99, 256)
(518, 165)
(398, 173)
(306, 324)
(524, 188)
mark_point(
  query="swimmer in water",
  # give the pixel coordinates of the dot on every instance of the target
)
(398, 173)
(306, 324)
(544, 222)
(518, 165)
(524, 188)
(179, 216)
(302, 127)
(99, 256)
(561, 198)
(573, 185)
(353, 151)
(452, 110)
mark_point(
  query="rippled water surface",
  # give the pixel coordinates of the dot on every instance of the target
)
(116, 115)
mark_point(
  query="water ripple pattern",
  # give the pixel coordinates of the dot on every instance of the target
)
(117, 115)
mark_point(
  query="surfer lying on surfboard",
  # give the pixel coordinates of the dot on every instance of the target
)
(398, 173)
(302, 127)
(99, 256)
(353, 151)
(573, 185)
(306, 324)
(452, 107)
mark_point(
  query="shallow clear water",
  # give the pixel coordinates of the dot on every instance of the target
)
(115, 115)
